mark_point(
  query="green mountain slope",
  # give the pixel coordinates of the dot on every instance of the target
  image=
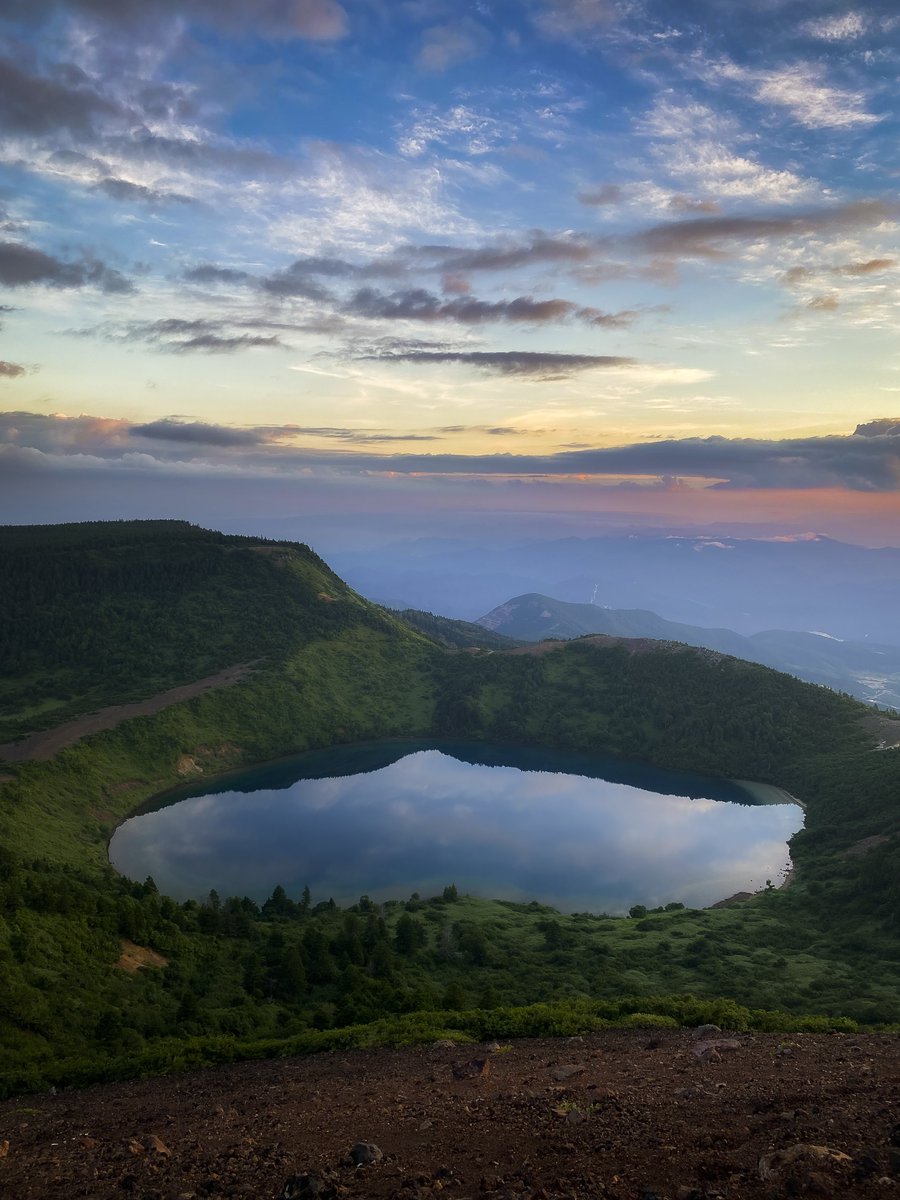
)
(457, 635)
(108, 612)
(329, 668)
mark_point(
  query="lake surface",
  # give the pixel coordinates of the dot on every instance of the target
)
(579, 832)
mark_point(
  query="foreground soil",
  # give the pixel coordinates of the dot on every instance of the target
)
(623, 1115)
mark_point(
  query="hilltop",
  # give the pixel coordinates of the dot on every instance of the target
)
(224, 978)
(866, 670)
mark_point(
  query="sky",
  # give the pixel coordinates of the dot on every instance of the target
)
(618, 259)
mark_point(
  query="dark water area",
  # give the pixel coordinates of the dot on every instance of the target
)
(580, 832)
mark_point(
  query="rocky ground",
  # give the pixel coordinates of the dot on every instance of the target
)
(633, 1115)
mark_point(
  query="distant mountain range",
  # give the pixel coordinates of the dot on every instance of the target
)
(865, 670)
(748, 584)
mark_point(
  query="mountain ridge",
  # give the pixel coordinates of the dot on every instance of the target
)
(838, 663)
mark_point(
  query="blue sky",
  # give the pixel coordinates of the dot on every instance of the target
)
(426, 251)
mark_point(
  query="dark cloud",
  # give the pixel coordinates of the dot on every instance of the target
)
(709, 237)
(537, 247)
(688, 204)
(872, 266)
(417, 304)
(122, 189)
(170, 429)
(175, 335)
(828, 302)
(868, 460)
(497, 430)
(316, 20)
(10, 370)
(191, 154)
(208, 273)
(347, 435)
(21, 265)
(601, 196)
(880, 427)
(301, 278)
(212, 343)
(526, 363)
(36, 104)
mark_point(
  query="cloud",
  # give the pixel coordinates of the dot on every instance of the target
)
(21, 266)
(316, 20)
(573, 19)
(171, 429)
(209, 273)
(709, 237)
(417, 304)
(446, 46)
(176, 335)
(880, 427)
(525, 363)
(800, 89)
(36, 104)
(872, 266)
(602, 195)
(842, 27)
(10, 370)
(301, 277)
(695, 142)
(123, 189)
(865, 461)
(829, 302)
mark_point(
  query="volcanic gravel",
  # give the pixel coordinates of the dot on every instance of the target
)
(620, 1115)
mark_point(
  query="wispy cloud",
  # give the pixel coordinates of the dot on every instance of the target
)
(802, 89)
(840, 27)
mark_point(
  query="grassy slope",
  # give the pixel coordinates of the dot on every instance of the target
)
(350, 671)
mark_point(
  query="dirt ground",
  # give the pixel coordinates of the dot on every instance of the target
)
(44, 744)
(622, 1115)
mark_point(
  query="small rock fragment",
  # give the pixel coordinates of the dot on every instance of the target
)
(566, 1071)
(363, 1154)
(804, 1157)
(4, 1148)
(472, 1069)
(703, 1032)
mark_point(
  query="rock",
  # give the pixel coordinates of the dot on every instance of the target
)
(310, 1187)
(801, 1159)
(566, 1071)
(364, 1154)
(703, 1032)
(472, 1069)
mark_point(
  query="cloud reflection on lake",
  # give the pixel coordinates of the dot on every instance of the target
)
(429, 819)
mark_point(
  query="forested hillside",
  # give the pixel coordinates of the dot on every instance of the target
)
(107, 612)
(227, 978)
